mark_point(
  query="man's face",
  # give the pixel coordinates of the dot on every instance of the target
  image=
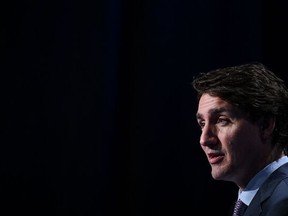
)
(231, 142)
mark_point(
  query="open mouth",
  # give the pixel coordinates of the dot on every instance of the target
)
(215, 158)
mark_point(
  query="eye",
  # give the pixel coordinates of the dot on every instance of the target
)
(201, 124)
(223, 121)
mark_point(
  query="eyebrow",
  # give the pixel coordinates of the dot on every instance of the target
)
(214, 111)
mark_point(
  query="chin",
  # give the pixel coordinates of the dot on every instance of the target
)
(218, 174)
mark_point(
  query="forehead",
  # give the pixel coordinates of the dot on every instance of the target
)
(208, 101)
(209, 105)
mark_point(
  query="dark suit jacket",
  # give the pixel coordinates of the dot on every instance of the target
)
(272, 197)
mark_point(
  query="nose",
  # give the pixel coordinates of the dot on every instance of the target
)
(208, 136)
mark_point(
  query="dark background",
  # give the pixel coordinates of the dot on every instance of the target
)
(97, 111)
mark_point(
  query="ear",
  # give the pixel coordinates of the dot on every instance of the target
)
(267, 126)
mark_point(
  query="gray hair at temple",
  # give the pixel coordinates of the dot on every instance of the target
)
(254, 89)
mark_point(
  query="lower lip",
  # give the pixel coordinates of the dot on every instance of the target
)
(216, 160)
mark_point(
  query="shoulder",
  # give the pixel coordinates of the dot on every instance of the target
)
(276, 206)
(277, 183)
(272, 197)
(276, 203)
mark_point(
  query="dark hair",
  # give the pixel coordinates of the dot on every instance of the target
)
(254, 89)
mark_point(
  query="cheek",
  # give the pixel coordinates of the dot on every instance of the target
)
(243, 139)
(232, 138)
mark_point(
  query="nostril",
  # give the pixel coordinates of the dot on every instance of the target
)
(208, 142)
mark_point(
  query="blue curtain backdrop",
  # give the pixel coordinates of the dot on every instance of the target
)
(97, 111)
